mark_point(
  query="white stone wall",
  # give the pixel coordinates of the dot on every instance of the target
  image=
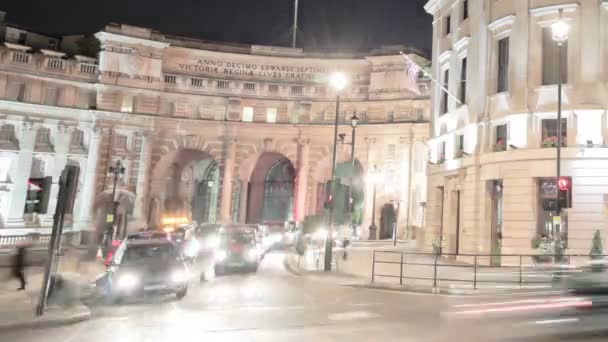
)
(522, 108)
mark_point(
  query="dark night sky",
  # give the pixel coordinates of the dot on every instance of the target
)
(335, 24)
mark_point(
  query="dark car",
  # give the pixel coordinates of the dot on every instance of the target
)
(146, 266)
(149, 235)
(238, 249)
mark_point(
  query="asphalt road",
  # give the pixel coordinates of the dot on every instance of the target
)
(272, 305)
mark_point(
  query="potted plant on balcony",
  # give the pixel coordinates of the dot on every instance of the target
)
(501, 145)
(552, 142)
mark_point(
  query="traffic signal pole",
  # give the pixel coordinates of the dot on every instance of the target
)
(558, 208)
(330, 229)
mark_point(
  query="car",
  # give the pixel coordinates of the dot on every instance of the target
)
(238, 249)
(149, 235)
(145, 266)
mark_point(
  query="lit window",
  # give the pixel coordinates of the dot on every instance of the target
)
(127, 104)
(271, 115)
(247, 114)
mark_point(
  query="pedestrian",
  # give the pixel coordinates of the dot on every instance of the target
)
(19, 263)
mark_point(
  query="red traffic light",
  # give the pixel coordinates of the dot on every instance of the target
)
(563, 184)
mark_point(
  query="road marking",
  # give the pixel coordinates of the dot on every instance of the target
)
(352, 316)
(557, 321)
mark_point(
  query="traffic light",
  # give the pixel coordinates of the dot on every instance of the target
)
(329, 201)
(564, 192)
(39, 191)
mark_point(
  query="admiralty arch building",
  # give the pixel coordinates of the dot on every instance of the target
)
(213, 132)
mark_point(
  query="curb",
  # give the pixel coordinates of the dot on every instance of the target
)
(47, 321)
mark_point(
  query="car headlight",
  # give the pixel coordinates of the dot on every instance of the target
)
(179, 276)
(213, 242)
(127, 281)
(192, 249)
(252, 254)
(220, 255)
(320, 234)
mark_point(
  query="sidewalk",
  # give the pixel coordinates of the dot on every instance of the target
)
(17, 308)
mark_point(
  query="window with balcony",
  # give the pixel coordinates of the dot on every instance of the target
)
(465, 9)
(247, 114)
(273, 88)
(459, 150)
(444, 92)
(441, 153)
(500, 138)
(463, 81)
(271, 115)
(550, 62)
(503, 65)
(550, 134)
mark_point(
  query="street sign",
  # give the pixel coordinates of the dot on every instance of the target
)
(109, 218)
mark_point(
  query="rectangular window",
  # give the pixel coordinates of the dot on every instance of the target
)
(196, 82)
(271, 115)
(127, 104)
(503, 65)
(463, 81)
(52, 44)
(170, 79)
(247, 114)
(249, 86)
(444, 93)
(465, 9)
(273, 88)
(551, 53)
(7, 133)
(549, 132)
(441, 152)
(391, 153)
(77, 139)
(297, 90)
(22, 38)
(51, 96)
(223, 84)
(460, 146)
(448, 25)
(501, 134)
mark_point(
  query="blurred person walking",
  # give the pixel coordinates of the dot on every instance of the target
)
(18, 270)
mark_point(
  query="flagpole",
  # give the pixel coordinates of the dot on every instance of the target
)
(431, 78)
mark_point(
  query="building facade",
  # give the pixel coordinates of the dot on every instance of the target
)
(492, 184)
(213, 132)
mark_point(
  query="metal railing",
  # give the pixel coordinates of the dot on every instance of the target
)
(473, 269)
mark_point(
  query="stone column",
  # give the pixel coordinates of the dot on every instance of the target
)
(302, 179)
(86, 199)
(230, 153)
(141, 202)
(21, 175)
(243, 202)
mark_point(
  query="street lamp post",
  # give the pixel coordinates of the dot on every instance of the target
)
(116, 170)
(338, 82)
(373, 178)
(560, 30)
(354, 122)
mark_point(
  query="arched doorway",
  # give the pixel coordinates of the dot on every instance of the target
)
(185, 183)
(387, 221)
(271, 189)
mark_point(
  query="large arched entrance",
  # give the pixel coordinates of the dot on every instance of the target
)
(271, 189)
(185, 183)
(387, 221)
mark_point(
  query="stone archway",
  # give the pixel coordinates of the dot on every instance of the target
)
(185, 183)
(271, 189)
